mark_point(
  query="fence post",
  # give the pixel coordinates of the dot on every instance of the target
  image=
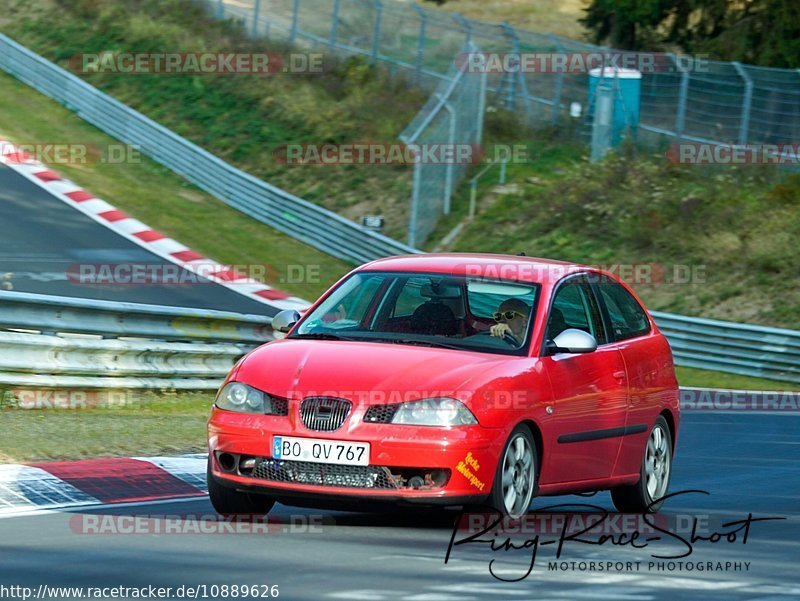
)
(423, 20)
(412, 217)
(376, 31)
(680, 115)
(473, 197)
(295, 15)
(466, 25)
(559, 84)
(448, 180)
(481, 103)
(334, 24)
(511, 100)
(602, 121)
(256, 11)
(744, 128)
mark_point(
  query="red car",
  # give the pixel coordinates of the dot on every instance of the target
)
(451, 379)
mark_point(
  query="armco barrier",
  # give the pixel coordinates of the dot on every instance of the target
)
(737, 348)
(301, 219)
(42, 360)
(152, 349)
(52, 314)
(103, 344)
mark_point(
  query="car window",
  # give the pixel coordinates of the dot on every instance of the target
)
(574, 306)
(628, 318)
(353, 304)
(410, 297)
(427, 309)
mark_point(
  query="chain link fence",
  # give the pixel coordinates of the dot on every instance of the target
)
(723, 102)
(452, 118)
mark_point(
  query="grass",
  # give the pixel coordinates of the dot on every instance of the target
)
(148, 424)
(719, 242)
(701, 378)
(542, 16)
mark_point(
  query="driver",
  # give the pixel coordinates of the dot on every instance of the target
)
(512, 320)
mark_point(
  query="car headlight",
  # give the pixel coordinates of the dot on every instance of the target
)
(434, 412)
(236, 396)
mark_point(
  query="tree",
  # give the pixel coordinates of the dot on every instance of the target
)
(765, 32)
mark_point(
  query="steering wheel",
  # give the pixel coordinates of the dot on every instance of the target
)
(507, 338)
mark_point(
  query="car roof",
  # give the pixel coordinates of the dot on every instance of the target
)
(493, 266)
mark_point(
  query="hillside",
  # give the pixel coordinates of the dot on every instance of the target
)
(732, 229)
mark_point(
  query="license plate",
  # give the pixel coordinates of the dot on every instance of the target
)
(317, 450)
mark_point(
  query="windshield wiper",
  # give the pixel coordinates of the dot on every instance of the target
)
(324, 336)
(431, 343)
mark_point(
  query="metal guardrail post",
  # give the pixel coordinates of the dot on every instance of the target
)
(559, 84)
(295, 16)
(256, 14)
(420, 60)
(680, 114)
(334, 24)
(744, 127)
(376, 32)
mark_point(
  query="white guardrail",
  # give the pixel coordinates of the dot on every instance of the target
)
(59, 342)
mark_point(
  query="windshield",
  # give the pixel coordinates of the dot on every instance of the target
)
(457, 312)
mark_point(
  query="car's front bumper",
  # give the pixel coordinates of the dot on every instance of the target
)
(469, 455)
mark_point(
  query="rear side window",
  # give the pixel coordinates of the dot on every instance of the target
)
(628, 318)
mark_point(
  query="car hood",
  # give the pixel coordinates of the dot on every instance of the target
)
(371, 372)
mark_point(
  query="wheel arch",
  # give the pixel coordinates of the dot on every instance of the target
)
(538, 441)
(670, 419)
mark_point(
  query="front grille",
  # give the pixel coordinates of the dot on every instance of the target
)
(325, 474)
(381, 414)
(324, 413)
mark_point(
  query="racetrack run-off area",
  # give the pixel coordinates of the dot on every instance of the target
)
(743, 460)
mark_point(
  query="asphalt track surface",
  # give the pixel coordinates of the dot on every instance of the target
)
(41, 238)
(746, 461)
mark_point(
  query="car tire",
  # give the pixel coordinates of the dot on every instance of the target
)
(517, 472)
(228, 501)
(654, 476)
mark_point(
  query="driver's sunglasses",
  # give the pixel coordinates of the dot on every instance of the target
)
(507, 315)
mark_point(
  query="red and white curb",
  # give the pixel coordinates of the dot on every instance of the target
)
(64, 484)
(139, 233)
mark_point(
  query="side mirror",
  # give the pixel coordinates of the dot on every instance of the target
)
(573, 341)
(285, 320)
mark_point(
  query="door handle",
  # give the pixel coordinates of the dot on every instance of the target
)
(619, 376)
